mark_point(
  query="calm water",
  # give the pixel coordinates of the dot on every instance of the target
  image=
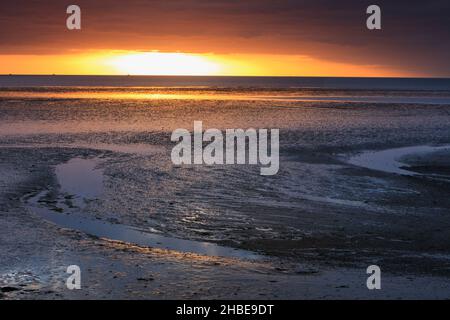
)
(274, 89)
(228, 82)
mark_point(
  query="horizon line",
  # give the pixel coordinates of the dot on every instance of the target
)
(217, 76)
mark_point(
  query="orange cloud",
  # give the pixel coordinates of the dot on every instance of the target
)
(158, 63)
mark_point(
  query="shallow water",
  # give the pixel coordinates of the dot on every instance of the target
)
(80, 181)
(237, 95)
(389, 160)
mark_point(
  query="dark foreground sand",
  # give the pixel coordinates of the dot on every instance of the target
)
(34, 255)
(319, 223)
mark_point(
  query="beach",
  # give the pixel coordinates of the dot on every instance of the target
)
(86, 179)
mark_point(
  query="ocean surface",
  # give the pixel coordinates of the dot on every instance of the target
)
(433, 84)
(294, 89)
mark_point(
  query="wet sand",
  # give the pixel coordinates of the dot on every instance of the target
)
(309, 232)
(35, 254)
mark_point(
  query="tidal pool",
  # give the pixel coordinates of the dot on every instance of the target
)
(81, 181)
(389, 160)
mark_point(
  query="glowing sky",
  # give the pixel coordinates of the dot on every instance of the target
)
(226, 37)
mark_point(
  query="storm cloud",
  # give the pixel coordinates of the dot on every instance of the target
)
(415, 35)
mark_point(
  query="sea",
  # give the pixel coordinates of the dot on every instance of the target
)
(430, 84)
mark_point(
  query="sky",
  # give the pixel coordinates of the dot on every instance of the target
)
(226, 37)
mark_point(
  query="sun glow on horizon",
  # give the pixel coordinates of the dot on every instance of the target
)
(186, 64)
(161, 63)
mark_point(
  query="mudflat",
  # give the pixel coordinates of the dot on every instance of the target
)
(103, 194)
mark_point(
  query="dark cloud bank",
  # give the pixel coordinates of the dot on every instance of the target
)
(415, 35)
